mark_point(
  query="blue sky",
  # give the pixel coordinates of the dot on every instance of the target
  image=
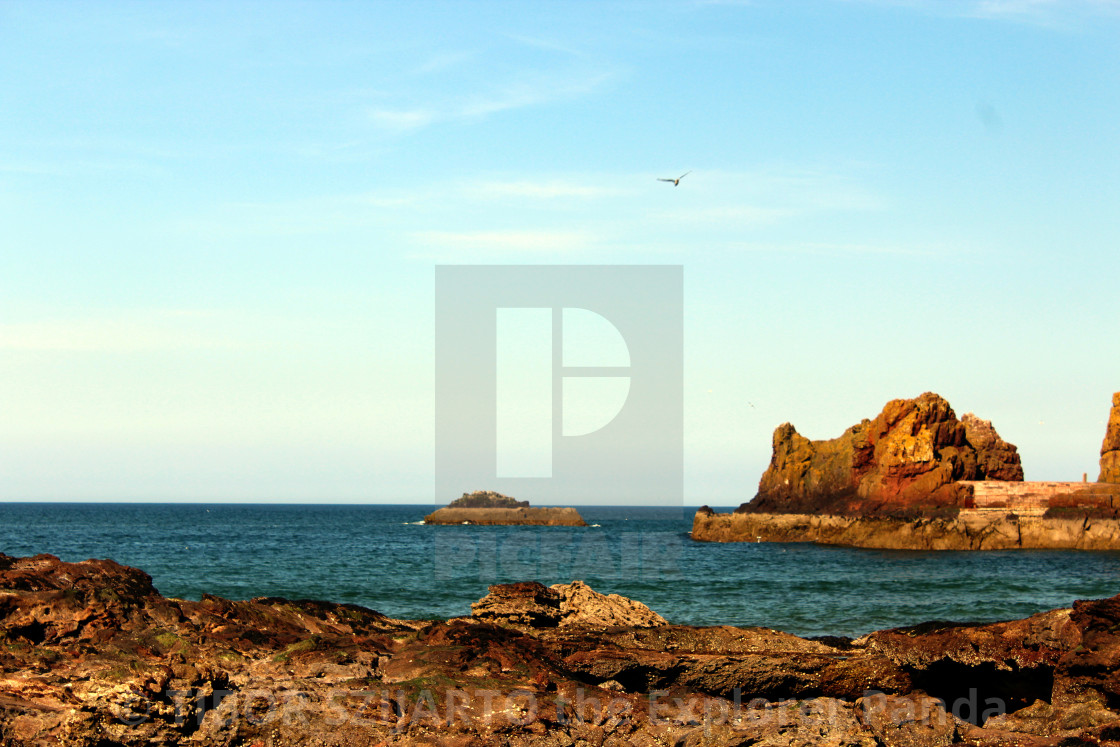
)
(219, 223)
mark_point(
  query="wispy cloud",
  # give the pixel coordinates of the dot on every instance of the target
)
(835, 249)
(1042, 9)
(784, 192)
(403, 120)
(146, 330)
(741, 215)
(543, 190)
(505, 242)
(519, 94)
(1051, 13)
(443, 61)
(549, 45)
(316, 215)
(31, 168)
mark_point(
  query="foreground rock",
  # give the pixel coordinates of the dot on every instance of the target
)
(1110, 448)
(93, 655)
(969, 530)
(906, 461)
(532, 605)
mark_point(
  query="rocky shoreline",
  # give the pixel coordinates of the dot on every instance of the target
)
(93, 655)
(966, 531)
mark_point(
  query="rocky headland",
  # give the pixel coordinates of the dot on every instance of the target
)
(93, 655)
(917, 477)
(907, 460)
(486, 507)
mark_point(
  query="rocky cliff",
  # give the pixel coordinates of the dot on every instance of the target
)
(93, 655)
(1110, 449)
(906, 461)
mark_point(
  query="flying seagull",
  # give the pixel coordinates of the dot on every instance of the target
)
(676, 181)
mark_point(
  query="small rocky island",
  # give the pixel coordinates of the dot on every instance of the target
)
(917, 477)
(93, 654)
(490, 508)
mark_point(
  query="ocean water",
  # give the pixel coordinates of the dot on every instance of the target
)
(385, 558)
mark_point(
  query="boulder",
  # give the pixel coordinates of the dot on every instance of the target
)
(905, 461)
(1110, 449)
(529, 604)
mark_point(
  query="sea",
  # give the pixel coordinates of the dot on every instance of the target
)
(384, 557)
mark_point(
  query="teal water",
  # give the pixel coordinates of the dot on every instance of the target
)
(382, 557)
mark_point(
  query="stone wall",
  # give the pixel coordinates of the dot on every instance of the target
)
(1035, 498)
(970, 530)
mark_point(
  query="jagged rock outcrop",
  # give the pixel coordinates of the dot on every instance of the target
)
(1110, 449)
(531, 604)
(905, 461)
(998, 460)
(93, 655)
(486, 499)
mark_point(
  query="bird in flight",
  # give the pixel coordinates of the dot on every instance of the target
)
(676, 181)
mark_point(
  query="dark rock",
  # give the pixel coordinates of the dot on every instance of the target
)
(998, 460)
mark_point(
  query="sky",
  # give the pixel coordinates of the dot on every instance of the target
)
(220, 222)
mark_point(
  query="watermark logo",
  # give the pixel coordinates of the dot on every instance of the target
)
(919, 718)
(560, 384)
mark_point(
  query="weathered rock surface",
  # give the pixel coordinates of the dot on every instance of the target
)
(91, 654)
(1110, 448)
(905, 461)
(998, 460)
(534, 605)
(967, 531)
(545, 516)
